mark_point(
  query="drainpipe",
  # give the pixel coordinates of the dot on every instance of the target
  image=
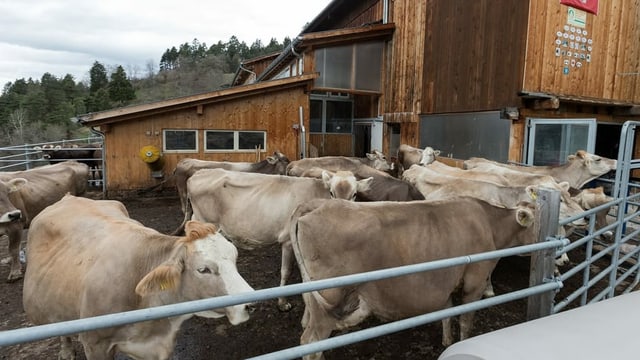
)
(385, 11)
(255, 76)
(303, 134)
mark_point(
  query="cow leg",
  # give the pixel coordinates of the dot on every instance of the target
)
(474, 285)
(319, 325)
(97, 350)
(66, 349)
(488, 291)
(15, 239)
(447, 336)
(285, 271)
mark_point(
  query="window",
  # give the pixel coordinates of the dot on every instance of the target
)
(331, 116)
(551, 141)
(180, 140)
(225, 140)
(355, 67)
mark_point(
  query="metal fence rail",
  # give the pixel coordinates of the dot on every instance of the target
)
(12, 337)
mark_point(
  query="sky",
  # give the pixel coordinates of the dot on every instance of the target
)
(67, 37)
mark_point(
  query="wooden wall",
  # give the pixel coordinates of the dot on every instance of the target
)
(613, 72)
(274, 112)
(473, 54)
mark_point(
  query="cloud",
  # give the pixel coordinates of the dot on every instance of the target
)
(38, 36)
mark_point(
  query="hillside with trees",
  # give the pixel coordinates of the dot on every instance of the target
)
(39, 110)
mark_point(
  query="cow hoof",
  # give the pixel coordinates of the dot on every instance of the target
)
(285, 306)
(14, 276)
(488, 294)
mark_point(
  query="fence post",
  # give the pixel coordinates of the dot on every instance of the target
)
(543, 261)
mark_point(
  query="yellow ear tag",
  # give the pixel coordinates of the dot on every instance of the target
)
(533, 195)
(164, 285)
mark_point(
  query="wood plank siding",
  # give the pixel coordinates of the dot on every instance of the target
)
(611, 72)
(274, 112)
(474, 54)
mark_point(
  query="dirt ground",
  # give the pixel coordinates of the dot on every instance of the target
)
(268, 330)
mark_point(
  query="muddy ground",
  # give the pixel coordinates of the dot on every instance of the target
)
(269, 329)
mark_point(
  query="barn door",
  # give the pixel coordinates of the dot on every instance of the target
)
(331, 126)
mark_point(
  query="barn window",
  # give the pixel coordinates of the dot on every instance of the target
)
(551, 141)
(331, 115)
(354, 67)
(225, 140)
(180, 140)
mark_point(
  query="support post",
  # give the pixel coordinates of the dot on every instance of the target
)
(543, 261)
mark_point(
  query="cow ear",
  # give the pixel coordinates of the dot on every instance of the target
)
(272, 159)
(565, 186)
(326, 178)
(165, 277)
(364, 185)
(532, 191)
(524, 217)
(16, 184)
(371, 156)
(436, 152)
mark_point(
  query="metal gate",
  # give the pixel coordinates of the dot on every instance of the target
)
(29, 156)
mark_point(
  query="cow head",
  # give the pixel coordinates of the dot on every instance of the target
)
(595, 165)
(8, 212)
(428, 156)
(279, 161)
(378, 161)
(202, 265)
(343, 184)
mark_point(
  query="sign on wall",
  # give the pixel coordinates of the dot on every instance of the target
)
(573, 42)
(590, 6)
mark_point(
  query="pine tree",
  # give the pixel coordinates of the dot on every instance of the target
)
(121, 91)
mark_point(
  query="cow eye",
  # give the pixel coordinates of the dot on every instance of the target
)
(204, 270)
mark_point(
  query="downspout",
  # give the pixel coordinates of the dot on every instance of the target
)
(299, 63)
(385, 11)
(303, 136)
(255, 76)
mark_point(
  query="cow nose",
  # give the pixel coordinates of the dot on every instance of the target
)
(15, 215)
(251, 308)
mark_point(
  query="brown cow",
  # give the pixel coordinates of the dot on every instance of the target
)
(409, 155)
(99, 261)
(335, 238)
(252, 209)
(275, 164)
(578, 170)
(24, 194)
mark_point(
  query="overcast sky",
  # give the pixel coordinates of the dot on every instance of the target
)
(68, 36)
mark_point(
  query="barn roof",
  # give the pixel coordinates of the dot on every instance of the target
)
(142, 110)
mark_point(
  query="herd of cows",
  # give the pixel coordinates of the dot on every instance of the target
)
(332, 216)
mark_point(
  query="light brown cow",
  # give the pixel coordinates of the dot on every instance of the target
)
(24, 194)
(100, 261)
(275, 164)
(578, 170)
(389, 234)
(591, 198)
(381, 187)
(409, 155)
(375, 163)
(252, 209)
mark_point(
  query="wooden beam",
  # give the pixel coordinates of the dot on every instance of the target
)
(547, 104)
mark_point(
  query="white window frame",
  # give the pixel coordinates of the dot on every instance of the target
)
(530, 134)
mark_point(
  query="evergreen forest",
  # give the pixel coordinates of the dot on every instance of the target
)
(40, 110)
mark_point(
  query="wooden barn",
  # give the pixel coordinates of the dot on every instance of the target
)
(522, 80)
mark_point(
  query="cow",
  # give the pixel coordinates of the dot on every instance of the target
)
(580, 168)
(90, 154)
(435, 186)
(335, 238)
(275, 164)
(24, 194)
(409, 155)
(381, 187)
(591, 198)
(358, 166)
(252, 209)
(100, 261)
